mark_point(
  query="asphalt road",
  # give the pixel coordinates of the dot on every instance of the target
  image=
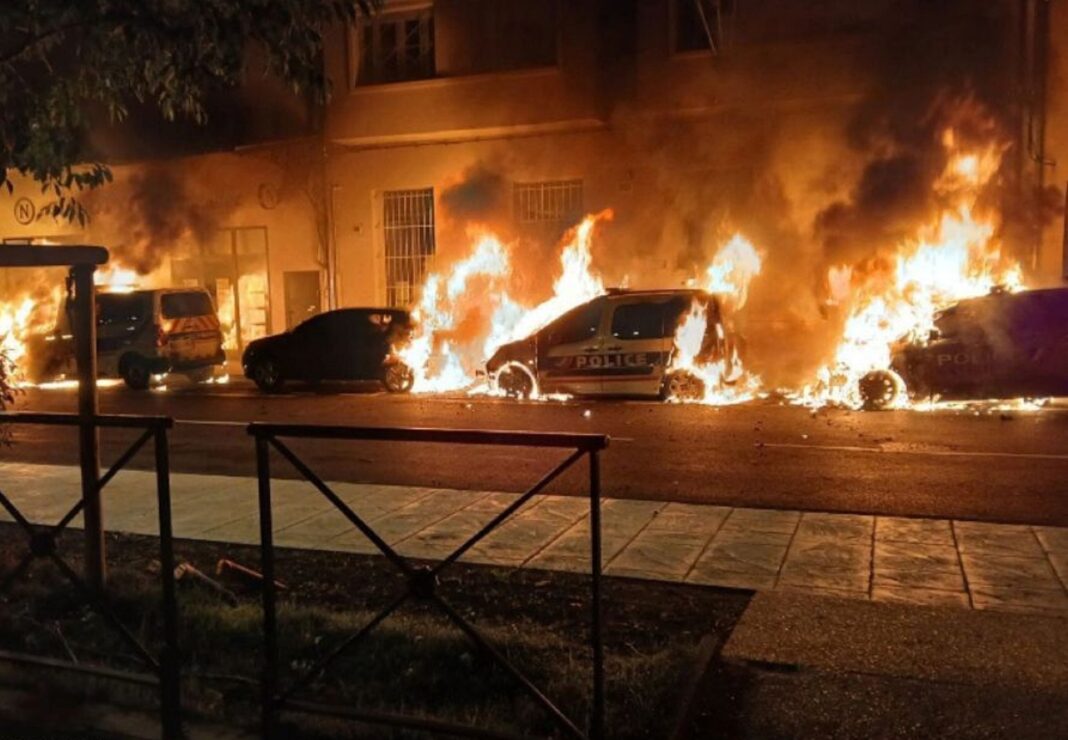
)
(986, 465)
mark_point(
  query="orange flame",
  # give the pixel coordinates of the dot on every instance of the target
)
(956, 256)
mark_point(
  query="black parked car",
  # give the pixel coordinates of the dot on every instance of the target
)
(1002, 345)
(347, 344)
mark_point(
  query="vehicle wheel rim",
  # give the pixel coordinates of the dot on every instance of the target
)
(268, 373)
(398, 377)
(515, 383)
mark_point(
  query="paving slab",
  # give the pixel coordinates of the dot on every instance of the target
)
(398, 525)
(1007, 572)
(763, 520)
(741, 559)
(522, 537)
(916, 565)
(670, 544)
(827, 564)
(845, 528)
(621, 522)
(920, 531)
(997, 539)
(440, 540)
(369, 502)
(1053, 539)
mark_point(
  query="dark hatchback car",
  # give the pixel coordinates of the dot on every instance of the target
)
(1002, 345)
(350, 344)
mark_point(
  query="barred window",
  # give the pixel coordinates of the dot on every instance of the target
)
(408, 223)
(552, 202)
(396, 47)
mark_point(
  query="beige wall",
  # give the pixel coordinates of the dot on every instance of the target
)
(156, 210)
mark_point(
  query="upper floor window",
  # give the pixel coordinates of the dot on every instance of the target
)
(698, 24)
(395, 47)
(556, 202)
(500, 36)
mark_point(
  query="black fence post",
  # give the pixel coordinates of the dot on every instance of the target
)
(170, 677)
(597, 718)
(270, 622)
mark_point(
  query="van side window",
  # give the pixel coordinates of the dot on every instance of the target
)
(639, 321)
(118, 308)
(576, 326)
(184, 305)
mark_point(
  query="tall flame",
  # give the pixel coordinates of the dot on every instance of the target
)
(441, 356)
(955, 256)
(715, 375)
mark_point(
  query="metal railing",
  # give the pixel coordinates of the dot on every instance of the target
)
(41, 540)
(421, 580)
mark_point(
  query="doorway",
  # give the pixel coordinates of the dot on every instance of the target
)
(303, 297)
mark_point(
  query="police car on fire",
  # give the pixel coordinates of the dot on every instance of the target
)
(619, 344)
(1002, 345)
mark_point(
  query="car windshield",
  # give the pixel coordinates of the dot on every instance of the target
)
(184, 305)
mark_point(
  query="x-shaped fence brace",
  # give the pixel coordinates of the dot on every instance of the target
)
(421, 580)
(41, 545)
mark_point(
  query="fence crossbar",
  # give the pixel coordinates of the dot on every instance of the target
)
(483, 644)
(118, 465)
(344, 508)
(422, 581)
(42, 539)
(508, 511)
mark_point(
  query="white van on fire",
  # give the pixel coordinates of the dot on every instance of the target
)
(146, 333)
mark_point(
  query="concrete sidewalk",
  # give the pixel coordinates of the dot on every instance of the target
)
(922, 561)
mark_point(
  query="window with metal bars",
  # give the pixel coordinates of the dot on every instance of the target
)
(408, 224)
(552, 202)
(395, 48)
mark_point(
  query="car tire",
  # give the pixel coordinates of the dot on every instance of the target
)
(135, 373)
(398, 378)
(879, 389)
(682, 385)
(267, 375)
(515, 382)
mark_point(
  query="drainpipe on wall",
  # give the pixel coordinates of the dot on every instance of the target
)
(331, 251)
(1036, 128)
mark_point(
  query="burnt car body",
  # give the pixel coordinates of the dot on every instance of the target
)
(349, 344)
(619, 344)
(1002, 345)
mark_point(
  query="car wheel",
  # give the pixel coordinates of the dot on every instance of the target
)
(135, 373)
(879, 389)
(682, 385)
(267, 375)
(515, 382)
(398, 378)
(200, 375)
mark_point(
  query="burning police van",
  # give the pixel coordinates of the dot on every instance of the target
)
(1002, 345)
(141, 334)
(619, 344)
